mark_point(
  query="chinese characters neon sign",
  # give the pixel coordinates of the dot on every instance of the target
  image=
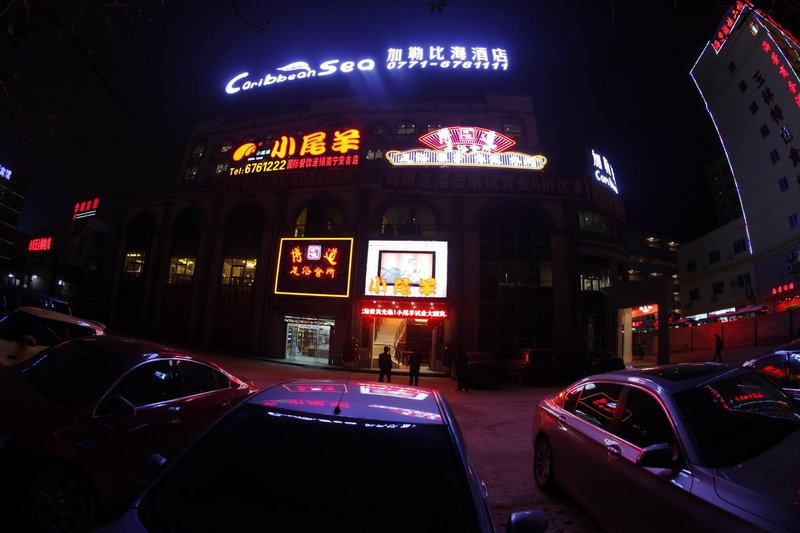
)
(431, 57)
(786, 287)
(314, 267)
(785, 71)
(726, 26)
(466, 146)
(602, 171)
(40, 244)
(85, 209)
(288, 152)
(403, 312)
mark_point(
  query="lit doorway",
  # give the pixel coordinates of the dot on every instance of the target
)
(308, 339)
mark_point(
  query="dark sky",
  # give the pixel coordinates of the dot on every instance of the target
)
(617, 80)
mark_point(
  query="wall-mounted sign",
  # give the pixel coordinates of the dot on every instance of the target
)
(85, 209)
(402, 312)
(314, 267)
(786, 287)
(432, 57)
(5, 172)
(406, 269)
(602, 171)
(726, 25)
(40, 244)
(289, 152)
(466, 146)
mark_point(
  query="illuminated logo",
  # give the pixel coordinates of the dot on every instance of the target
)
(313, 150)
(314, 267)
(603, 172)
(5, 172)
(466, 146)
(40, 244)
(85, 209)
(436, 57)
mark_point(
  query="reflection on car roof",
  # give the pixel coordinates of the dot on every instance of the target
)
(384, 402)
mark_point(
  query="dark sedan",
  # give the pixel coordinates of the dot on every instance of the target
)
(78, 421)
(483, 370)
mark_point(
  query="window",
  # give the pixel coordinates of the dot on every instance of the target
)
(197, 151)
(783, 183)
(434, 125)
(714, 257)
(191, 173)
(764, 131)
(594, 402)
(225, 147)
(718, 288)
(753, 108)
(222, 168)
(407, 127)
(513, 127)
(645, 423)
(238, 271)
(374, 154)
(793, 222)
(691, 265)
(731, 66)
(743, 279)
(197, 378)
(147, 384)
(595, 223)
(739, 246)
(694, 294)
(774, 156)
(181, 270)
(742, 86)
(134, 266)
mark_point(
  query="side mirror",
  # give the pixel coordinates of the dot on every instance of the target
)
(116, 406)
(527, 522)
(155, 464)
(29, 340)
(656, 456)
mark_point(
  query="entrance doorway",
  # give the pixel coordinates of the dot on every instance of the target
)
(308, 339)
(403, 336)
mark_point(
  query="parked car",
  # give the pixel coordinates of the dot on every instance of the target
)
(78, 420)
(29, 330)
(12, 298)
(782, 366)
(325, 455)
(684, 447)
(535, 366)
(484, 370)
(593, 361)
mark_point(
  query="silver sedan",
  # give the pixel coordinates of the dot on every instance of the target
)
(686, 447)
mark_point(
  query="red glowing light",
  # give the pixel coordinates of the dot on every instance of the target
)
(40, 244)
(455, 137)
(403, 312)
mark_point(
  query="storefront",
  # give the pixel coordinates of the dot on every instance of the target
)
(308, 339)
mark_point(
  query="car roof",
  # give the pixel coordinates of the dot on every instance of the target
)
(61, 317)
(365, 400)
(130, 349)
(674, 378)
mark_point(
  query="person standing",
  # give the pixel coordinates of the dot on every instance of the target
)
(385, 365)
(414, 362)
(717, 348)
(462, 370)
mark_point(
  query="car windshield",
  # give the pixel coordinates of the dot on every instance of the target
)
(738, 418)
(70, 374)
(262, 467)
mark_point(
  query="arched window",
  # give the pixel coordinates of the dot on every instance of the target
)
(408, 218)
(319, 219)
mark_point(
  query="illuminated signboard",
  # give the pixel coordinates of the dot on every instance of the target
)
(406, 269)
(602, 170)
(5, 172)
(40, 244)
(432, 57)
(403, 312)
(726, 26)
(786, 72)
(85, 209)
(314, 267)
(786, 287)
(290, 152)
(466, 146)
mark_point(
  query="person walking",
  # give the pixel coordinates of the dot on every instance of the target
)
(414, 362)
(717, 348)
(385, 365)
(462, 370)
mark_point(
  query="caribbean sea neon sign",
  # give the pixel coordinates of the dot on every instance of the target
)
(466, 146)
(432, 57)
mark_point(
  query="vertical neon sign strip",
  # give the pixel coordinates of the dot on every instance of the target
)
(724, 150)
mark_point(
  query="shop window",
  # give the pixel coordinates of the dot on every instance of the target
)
(408, 218)
(238, 271)
(181, 270)
(134, 266)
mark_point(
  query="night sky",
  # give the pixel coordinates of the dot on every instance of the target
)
(616, 80)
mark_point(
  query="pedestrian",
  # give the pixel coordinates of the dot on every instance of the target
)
(462, 370)
(414, 362)
(385, 365)
(717, 348)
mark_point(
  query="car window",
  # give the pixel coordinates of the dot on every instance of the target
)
(12, 327)
(773, 367)
(76, 330)
(594, 402)
(148, 383)
(196, 378)
(644, 421)
(793, 378)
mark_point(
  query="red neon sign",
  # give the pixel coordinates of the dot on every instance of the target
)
(85, 209)
(786, 287)
(726, 26)
(40, 244)
(469, 137)
(403, 313)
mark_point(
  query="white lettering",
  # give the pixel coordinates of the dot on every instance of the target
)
(366, 64)
(328, 67)
(231, 88)
(347, 66)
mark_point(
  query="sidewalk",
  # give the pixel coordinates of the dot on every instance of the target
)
(733, 356)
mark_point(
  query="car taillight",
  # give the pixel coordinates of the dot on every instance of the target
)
(527, 356)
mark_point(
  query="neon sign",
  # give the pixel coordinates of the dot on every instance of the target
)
(40, 244)
(784, 71)
(603, 172)
(85, 209)
(314, 267)
(466, 146)
(786, 287)
(5, 172)
(726, 26)
(313, 150)
(413, 57)
(403, 313)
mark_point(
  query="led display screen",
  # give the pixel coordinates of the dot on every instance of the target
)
(406, 269)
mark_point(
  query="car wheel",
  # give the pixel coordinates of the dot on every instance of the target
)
(543, 467)
(61, 500)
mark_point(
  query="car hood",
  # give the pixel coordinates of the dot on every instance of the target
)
(767, 485)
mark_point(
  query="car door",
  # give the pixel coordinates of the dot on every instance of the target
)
(645, 499)
(580, 447)
(205, 395)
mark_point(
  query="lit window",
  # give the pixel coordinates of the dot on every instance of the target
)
(513, 127)
(434, 125)
(191, 173)
(406, 128)
(197, 150)
(225, 147)
(134, 266)
(374, 154)
(239, 271)
(222, 168)
(181, 270)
